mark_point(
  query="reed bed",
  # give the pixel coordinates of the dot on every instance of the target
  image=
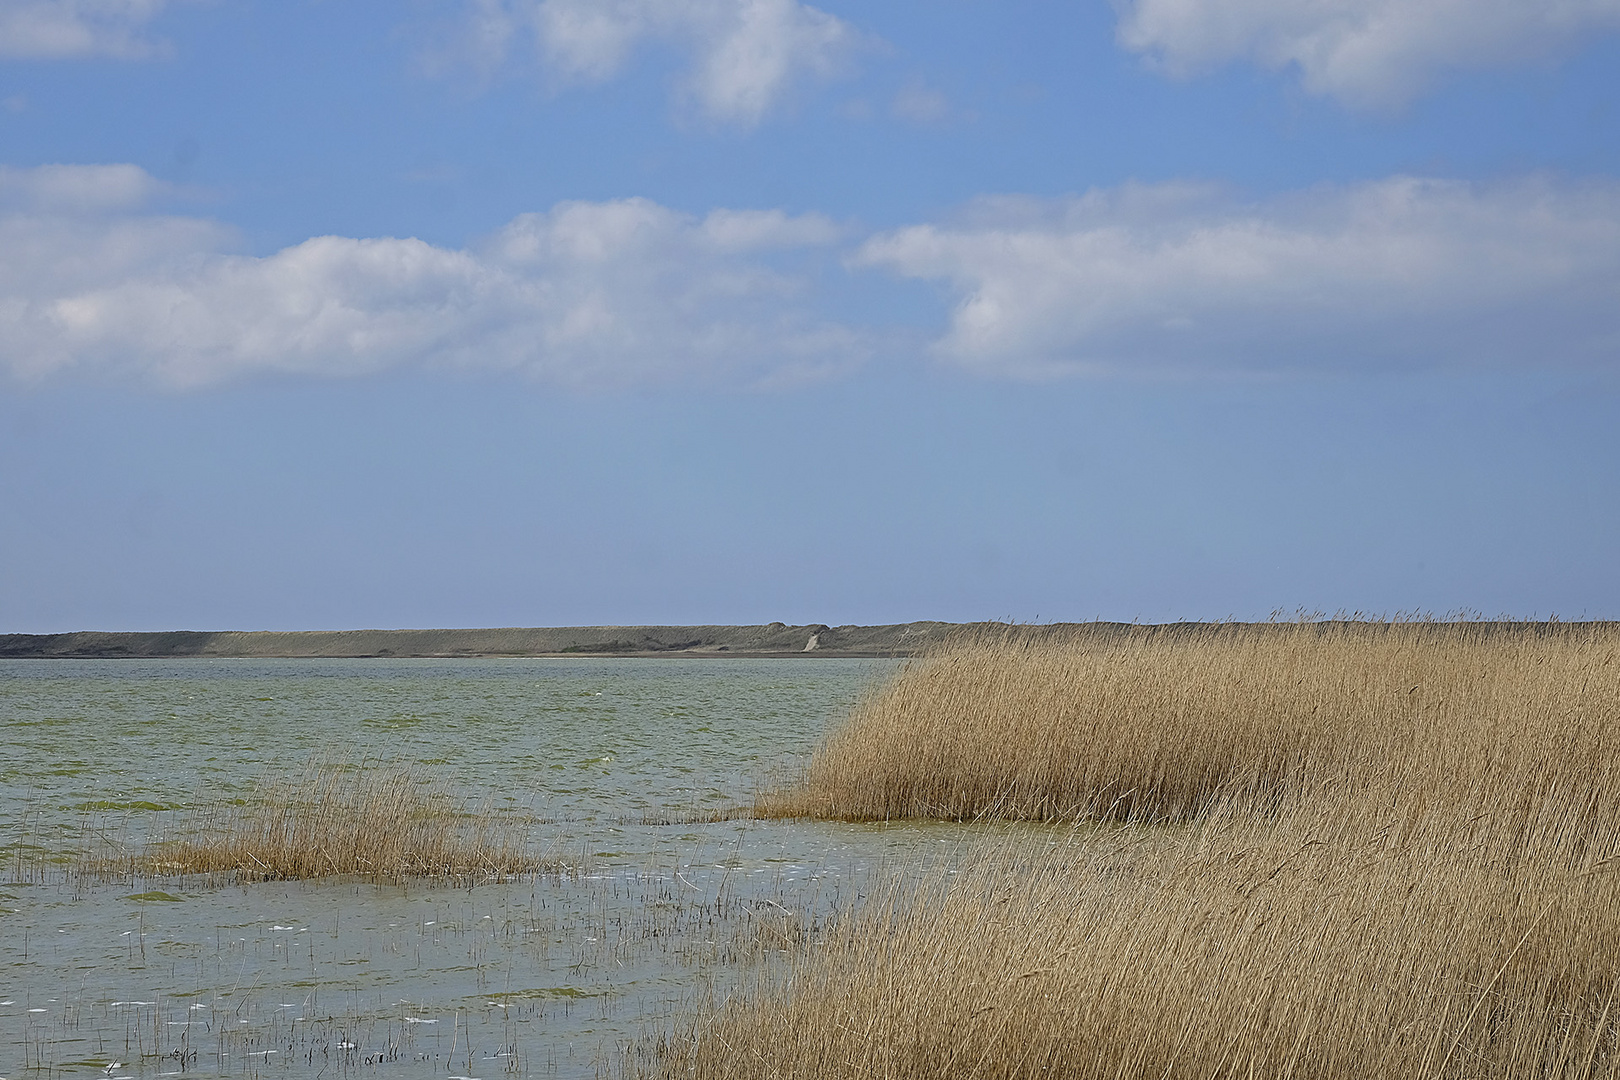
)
(1167, 723)
(334, 819)
(1222, 953)
(1353, 851)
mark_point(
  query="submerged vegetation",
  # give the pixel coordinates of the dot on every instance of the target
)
(1352, 850)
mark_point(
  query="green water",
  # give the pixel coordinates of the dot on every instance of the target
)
(540, 977)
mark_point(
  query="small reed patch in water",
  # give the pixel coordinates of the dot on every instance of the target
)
(367, 821)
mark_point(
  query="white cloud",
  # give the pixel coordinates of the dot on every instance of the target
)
(1163, 279)
(584, 294)
(62, 29)
(1399, 272)
(1367, 53)
(745, 55)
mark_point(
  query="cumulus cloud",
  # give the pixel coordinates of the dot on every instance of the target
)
(1367, 53)
(62, 29)
(744, 54)
(585, 294)
(1163, 279)
(1174, 277)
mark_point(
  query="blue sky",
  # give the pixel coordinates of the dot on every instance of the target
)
(344, 313)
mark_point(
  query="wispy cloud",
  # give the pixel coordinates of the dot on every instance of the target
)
(585, 294)
(1167, 278)
(743, 56)
(65, 29)
(1367, 53)
(920, 103)
(77, 188)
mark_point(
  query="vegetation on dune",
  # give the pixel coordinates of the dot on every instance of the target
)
(1362, 850)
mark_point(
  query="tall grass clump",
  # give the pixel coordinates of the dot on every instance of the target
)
(333, 819)
(1335, 852)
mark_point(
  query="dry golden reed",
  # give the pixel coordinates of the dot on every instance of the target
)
(1223, 953)
(1167, 722)
(368, 820)
(1327, 852)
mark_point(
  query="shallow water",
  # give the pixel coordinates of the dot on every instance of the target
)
(547, 976)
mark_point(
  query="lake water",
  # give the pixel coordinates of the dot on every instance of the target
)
(546, 976)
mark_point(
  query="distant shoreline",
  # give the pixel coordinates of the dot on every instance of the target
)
(770, 639)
